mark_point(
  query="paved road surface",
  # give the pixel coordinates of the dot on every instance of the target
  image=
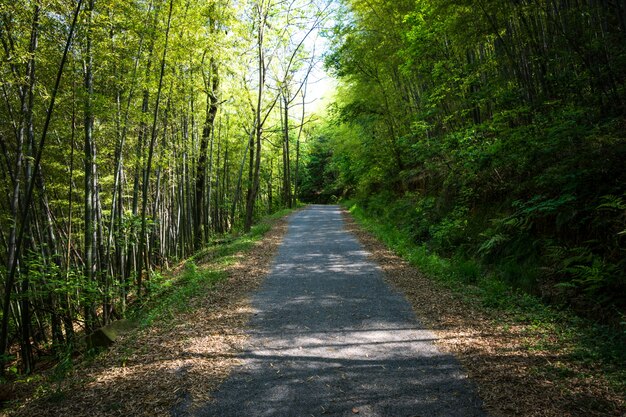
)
(331, 338)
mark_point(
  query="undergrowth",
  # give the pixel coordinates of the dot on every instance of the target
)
(170, 293)
(584, 341)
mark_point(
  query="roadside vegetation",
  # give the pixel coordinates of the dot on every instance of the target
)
(181, 341)
(485, 142)
(496, 148)
(132, 135)
(526, 357)
(586, 340)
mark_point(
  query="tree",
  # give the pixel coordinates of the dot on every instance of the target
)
(465, 123)
(160, 151)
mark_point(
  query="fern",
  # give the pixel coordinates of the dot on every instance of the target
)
(493, 243)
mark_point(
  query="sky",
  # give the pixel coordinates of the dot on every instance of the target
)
(321, 85)
(320, 89)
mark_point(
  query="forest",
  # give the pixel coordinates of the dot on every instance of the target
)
(136, 133)
(133, 134)
(490, 133)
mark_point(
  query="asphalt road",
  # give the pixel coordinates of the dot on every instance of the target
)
(331, 338)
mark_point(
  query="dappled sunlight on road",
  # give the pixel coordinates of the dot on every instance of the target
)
(329, 336)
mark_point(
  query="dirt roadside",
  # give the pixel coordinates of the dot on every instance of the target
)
(161, 369)
(514, 377)
(166, 368)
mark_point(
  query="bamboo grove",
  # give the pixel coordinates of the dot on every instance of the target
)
(491, 132)
(132, 133)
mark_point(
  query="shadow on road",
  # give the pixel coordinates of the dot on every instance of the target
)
(330, 337)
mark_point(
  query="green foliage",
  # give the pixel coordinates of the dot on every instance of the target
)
(259, 230)
(468, 271)
(173, 294)
(145, 154)
(450, 231)
(12, 371)
(64, 364)
(171, 298)
(494, 290)
(479, 136)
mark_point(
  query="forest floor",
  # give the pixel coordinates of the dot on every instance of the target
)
(519, 366)
(180, 358)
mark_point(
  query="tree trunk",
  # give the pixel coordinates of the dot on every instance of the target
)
(286, 157)
(143, 251)
(255, 149)
(203, 197)
(89, 211)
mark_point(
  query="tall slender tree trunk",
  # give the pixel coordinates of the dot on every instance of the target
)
(66, 304)
(296, 180)
(255, 148)
(25, 132)
(286, 157)
(117, 200)
(202, 195)
(89, 156)
(237, 197)
(132, 263)
(143, 250)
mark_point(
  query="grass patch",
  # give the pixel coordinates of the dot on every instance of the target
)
(584, 343)
(173, 295)
(170, 294)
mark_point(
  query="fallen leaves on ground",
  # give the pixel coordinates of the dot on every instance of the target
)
(170, 367)
(512, 378)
